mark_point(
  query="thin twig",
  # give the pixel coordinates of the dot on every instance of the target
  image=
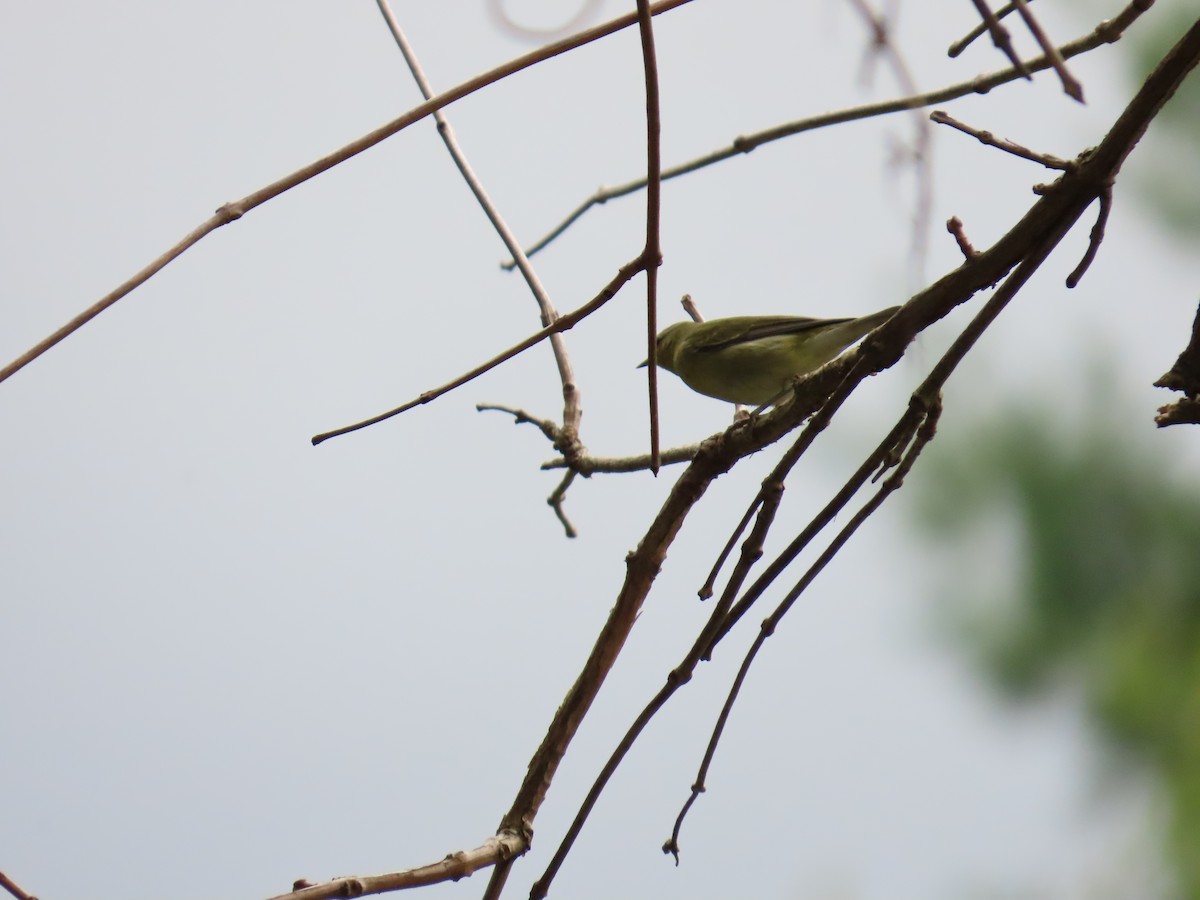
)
(708, 588)
(1071, 85)
(986, 137)
(232, 211)
(548, 427)
(1095, 237)
(562, 323)
(1000, 37)
(1107, 32)
(652, 253)
(1181, 412)
(978, 31)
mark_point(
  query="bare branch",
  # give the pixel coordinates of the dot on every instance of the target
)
(1000, 37)
(15, 889)
(1071, 85)
(1094, 238)
(454, 867)
(978, 31)
(563, 323)
(986, 137)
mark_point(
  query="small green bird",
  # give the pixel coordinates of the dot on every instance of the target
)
(752, 359)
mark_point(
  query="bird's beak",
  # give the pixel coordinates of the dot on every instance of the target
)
(643, 364)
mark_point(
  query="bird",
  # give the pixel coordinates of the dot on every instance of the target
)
(751, 360)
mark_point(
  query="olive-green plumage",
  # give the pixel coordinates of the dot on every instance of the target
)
(752, 359)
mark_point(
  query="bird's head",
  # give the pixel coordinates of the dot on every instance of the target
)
(668, 342)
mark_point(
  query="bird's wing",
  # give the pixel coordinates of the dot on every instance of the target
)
(759, 327)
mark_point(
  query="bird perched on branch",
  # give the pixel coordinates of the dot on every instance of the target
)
(752, 359)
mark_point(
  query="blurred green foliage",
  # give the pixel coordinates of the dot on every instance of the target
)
(1074, 558)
